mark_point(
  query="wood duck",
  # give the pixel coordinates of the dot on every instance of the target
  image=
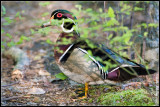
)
(74, 60)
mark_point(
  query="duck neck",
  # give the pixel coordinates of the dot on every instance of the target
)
(63, 44)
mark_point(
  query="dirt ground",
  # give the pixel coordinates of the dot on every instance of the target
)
(39, 87)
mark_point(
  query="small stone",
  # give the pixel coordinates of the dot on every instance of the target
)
(36, 99)
(36, 91)
(106, 89)
(44, 73)
(62, 104)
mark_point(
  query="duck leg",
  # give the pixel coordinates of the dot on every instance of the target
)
(86, 89)
(82, 93)
(86, 92)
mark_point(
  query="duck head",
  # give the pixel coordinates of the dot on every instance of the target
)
(66, 19)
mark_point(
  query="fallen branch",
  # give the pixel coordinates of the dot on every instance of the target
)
(21, 59)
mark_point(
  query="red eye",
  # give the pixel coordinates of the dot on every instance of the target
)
(59, 15)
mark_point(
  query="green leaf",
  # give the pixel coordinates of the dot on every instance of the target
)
(45, 14)
(112, 22)
(17, 14)
(100, 10)
(126, 9)
(152, 25)
(111, 12)
(61, 76)
(145, 34)
(90, 52)
(89, 10)
(9, 21)
(3, 10)
(2, 31)
(49, 41)
(115, 39)
(19, 42)
(32, 31)
(138, 9)
(9, 35)
(44, 3)
(110, 36)
(10, 44)
(144, 25)
(24, 38)
(78, 6)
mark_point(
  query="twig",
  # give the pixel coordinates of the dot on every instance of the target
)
(144, 48)
(10, 98)
(10, 84)
(7, 68)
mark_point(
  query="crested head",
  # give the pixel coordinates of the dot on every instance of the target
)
(68, 19)
(64, 13)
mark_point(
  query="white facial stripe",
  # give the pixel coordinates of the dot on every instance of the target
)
(55, 13)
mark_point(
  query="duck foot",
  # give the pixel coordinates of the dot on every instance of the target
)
(79, 91)
(82, 93)
(82, 96)
(79, 96)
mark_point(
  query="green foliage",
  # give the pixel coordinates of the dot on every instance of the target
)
(137, 97)
(111, 12)
(138, 9)
(43, 31)
(44, 3)
(3, 10)
(7, 34)
(61, 76)
(49, 41)
(18, 14)
(21, 39)
(8, 20)
(153, 25)
(45, 14)
(79, 7)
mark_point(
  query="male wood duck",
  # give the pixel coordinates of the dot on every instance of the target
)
(73, 62)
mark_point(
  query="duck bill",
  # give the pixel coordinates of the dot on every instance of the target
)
(48, 23)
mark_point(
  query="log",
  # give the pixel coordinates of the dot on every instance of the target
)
(21, 59)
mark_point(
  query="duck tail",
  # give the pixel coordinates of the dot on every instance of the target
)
(126, 73)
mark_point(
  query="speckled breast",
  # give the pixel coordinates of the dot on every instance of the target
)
(80, 68)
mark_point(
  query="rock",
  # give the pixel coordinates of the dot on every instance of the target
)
(35, 90)
(73, 83)
(31, 104)
(106, 90)
(152, 54)
(44, 73)
(36, 99)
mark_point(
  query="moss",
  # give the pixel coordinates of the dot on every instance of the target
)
(136, 97)
(90, 100)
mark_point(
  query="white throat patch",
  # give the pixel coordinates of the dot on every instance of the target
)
(66, 30)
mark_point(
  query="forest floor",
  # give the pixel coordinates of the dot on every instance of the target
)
(40, 87)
